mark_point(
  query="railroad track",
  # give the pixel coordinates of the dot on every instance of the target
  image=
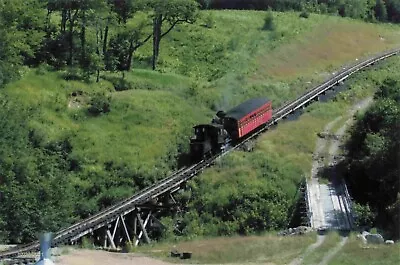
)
(173, 182)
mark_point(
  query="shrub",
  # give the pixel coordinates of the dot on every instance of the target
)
(100, 103)
(304, 14)
(87, 243)
(209, 21)
(269, 22)
(364, 215)
(121, 84)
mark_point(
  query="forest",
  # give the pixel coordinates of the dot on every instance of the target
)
(76, 33)
(370, 10)
(373, 162)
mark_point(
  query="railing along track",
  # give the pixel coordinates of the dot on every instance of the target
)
(106, 216)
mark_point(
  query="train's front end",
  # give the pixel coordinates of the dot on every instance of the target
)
(207, 140)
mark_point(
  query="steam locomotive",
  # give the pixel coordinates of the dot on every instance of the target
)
(229, 127)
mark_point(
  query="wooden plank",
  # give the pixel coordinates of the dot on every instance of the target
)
(126, 230)
(115, 228)
(135, 226)
(110, 239)
(143, 228)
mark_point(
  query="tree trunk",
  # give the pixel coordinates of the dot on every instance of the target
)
(98, 38)
(130, 56)
(71, 19)
(105, 37)
(83, 39)
(157, 23)
(48, 17)
(63, 20)
(70, 38)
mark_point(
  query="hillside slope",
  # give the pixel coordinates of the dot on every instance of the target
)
(72, 163)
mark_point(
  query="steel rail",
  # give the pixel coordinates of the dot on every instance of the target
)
(107, 215)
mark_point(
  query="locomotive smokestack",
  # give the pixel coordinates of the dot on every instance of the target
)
(221, 114)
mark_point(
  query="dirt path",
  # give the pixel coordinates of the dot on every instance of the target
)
(333, 252)
(327, 203)
(310, 249)
(97, 257)
(319, 194)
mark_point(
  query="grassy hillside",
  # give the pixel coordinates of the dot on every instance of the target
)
(272, 249)
(263, 249)
(50, 135)
(256, 190)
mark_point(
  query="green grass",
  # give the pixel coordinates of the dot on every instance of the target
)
(238, 250)
(240, 60)
(355, 252)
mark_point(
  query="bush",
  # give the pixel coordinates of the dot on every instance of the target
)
(304, 14)
(100, 103)
(364, 215)
(269, 22)
(87, 243)
(121, 84)
(209, 21)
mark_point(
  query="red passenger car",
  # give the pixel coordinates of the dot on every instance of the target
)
(228, 127)
(247, 117)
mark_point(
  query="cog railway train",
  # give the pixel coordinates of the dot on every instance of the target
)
(229, 127)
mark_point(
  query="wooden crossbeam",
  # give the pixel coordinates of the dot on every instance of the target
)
(126, 230)
(143, 228)
(115, 228)
(110, 238)
(135, 225)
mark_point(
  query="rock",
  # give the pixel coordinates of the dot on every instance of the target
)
(374, 239)
(175, 253)
(362, 238)
(365, 233)
(56, 251)
(389, 242)
(322, 135)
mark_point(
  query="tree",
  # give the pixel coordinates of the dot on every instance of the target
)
(356, 8)
(269, 21)
(69, 13)
(21, 33)
(393, 10)
(124, 44)
(380, 10)
(173, 12)
(374, 153)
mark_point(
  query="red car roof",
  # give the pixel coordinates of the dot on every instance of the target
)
(246, 107)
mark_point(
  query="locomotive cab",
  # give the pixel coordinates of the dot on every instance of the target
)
(208, 139)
